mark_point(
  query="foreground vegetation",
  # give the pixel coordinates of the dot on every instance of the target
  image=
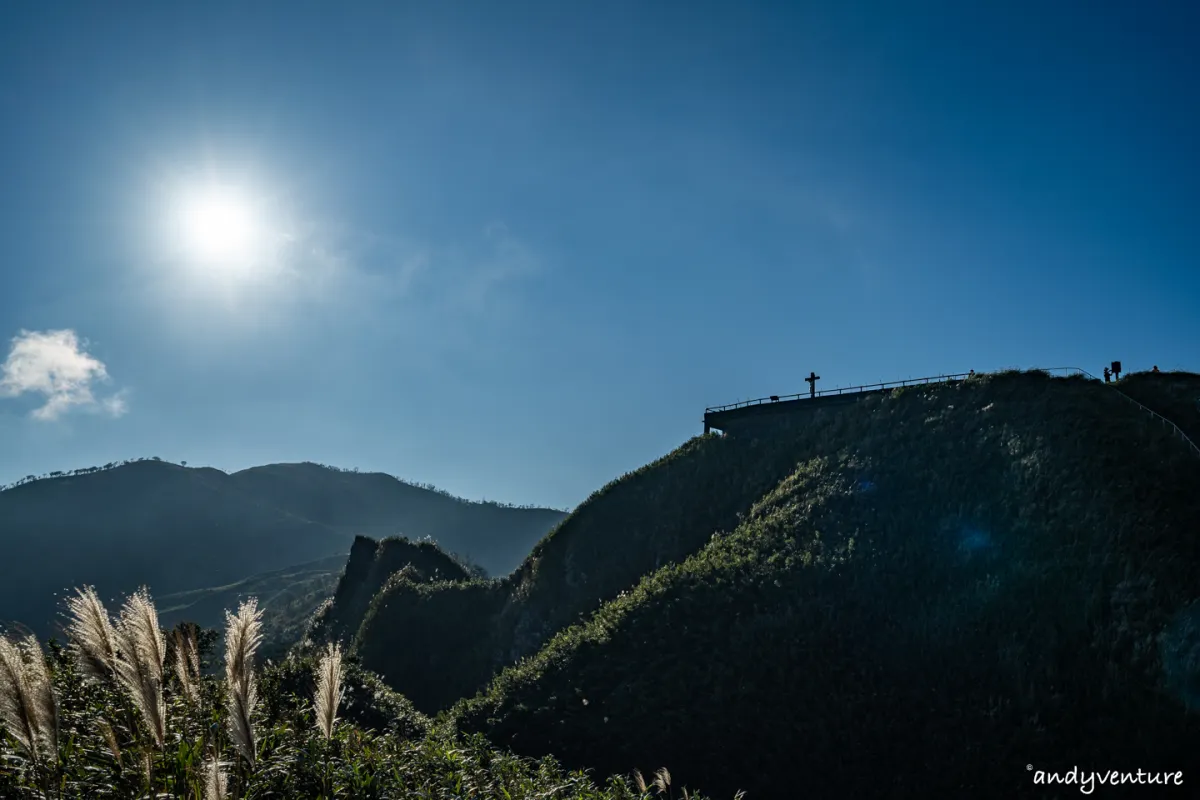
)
(126, 711)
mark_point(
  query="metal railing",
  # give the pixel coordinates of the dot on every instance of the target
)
(1166, 423)
(870, 387)
(1116, 387)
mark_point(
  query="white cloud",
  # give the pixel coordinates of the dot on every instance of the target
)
(55, 365)
(116, 405)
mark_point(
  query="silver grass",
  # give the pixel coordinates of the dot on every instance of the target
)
(139, 616)
(329, 689)
(662, 780)
(28, 710)
(110, 739)
(91, 632)
(184, 645)
(17, 712)
(243, 634)
(216, 782)
(141, 650)
(193, 651)
(43, 697)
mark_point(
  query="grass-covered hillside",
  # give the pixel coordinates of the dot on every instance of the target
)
(926, 591)
(657, 515)
(370, 566)
(1175, 395)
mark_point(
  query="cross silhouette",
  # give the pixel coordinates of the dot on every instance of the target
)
(812, 383)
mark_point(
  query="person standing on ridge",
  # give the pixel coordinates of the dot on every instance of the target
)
(1106, 374)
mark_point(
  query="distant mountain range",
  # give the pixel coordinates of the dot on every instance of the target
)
(177, 528)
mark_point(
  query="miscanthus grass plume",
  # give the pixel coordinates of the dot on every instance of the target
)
(243, 634)
(91, 633)
(662, 780)
(141, 652)
(216, 782)
(329, 689)
(28, 710)
(187, 663)
(129, 653)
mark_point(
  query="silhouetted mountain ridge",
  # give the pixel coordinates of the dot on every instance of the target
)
(177, 528)
(378, 505)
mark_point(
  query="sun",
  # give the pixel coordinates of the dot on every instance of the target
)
(219, 226)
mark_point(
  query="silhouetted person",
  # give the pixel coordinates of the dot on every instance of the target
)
(1107, 375)
(1155, 368)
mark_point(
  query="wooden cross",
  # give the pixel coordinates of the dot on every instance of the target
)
(812, 383)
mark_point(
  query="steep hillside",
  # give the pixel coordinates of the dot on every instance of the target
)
(373, 504)
(950, 589)
(659, 514)
(368, 569)
(1175, 395)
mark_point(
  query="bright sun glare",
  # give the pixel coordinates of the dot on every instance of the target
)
(220, 227)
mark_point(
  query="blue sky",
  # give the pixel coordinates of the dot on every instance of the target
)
(514, 249)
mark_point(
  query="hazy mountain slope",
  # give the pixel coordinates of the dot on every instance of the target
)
(958, 582)
(377, 505)
(178, 529)
(147, 522)
(288, 598)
